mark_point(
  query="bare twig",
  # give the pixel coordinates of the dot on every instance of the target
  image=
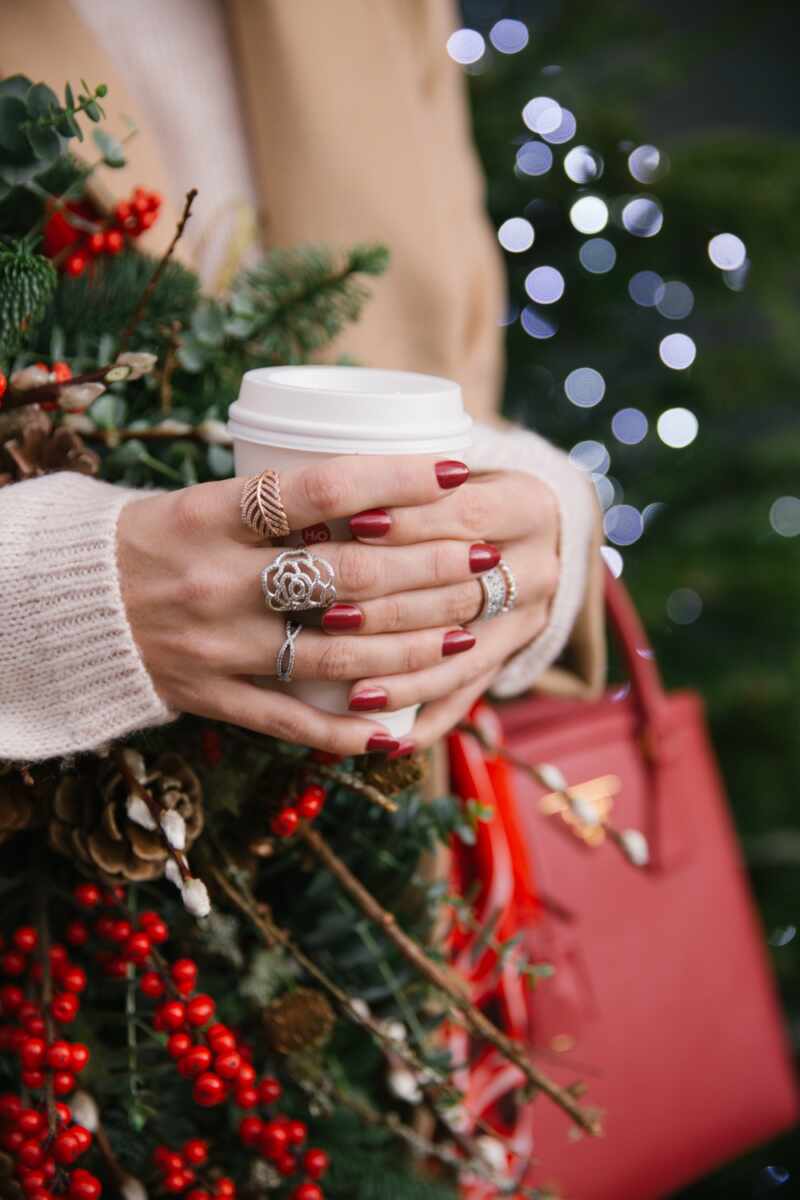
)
(356, 784)
(152, 284)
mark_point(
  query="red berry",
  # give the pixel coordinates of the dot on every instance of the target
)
(30, 1122)
(30, 1154)
(311, 801)
(73, 979)
(227, 1065)
(173, 1182)
(96, 243)
(59, 1056)
(63, 1113)
(33, 1079)
(146, 220)
(286, 1165)
(298, 1132)
(77, 933)
(200, 1009)
(195, 1151)
(11, 1140)
(76, 263)
(65, 1148)
(78, 1056)
(170, 1015)
(115, 966)
(224, 1187)
(315, 1163)
(122, 213)
(208, 1090)
(274, 1139)
(250, 1129)
(307, 1191)
(137, 947)
(3, 385)
(113, 241)
(198, 1194)
(246, 1097)
(152, 985)
(121, 930)
(10, 1107)
(184, 974)
(269, 1090)
(247, 1072)
(104, 927)
(82, 1137)
(87, 895)
(84, 1186)
(11, 997)
(62, 372)
(25, 938)
(194, 1061)
(155, 928)
(220, 1038)
(154, 200)
(33, 1182)
(167, 1160)
(63, 1083)
(13, 963)
(64, 1007)
(285, 823)
(178, 1044)
(32, 1053)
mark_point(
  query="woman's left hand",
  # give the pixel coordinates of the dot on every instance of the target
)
(512, 510)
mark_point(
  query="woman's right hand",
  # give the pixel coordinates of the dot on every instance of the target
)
(190, 577)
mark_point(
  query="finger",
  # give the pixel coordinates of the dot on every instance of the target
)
(495, 641)
(440, 716)
(282, 716)
(490, 507)
(365, 572)
(251, 648)
(335, 488)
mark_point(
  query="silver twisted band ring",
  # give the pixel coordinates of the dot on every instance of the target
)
(499, 591)
(284, 662)
(298, 580)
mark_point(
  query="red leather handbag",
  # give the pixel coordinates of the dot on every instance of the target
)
(662, 1001)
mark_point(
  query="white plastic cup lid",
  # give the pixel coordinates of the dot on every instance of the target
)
(350, 410)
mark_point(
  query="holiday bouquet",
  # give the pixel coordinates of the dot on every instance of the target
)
(177, 1015)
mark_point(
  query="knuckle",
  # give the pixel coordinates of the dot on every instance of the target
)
(325, 490)
(206, 651)
(475, 511)
(188, 513)
(550, 576)
(464, 603)
(357, 570)
(394, 614)
(284, 726)
(196, 590)
(440, 564)
(335, 660)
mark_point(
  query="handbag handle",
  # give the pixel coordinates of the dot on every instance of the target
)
(637, 653)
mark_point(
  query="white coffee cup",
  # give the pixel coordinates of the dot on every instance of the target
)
(286, 417)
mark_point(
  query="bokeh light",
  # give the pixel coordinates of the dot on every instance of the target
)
(642, 216)
(537, 324)
(629, 426)
(590, 456)
(516, 235)
(585, 387)
(651, 511)
(646, 288)
(784, 516)
(509, 36)
(589, 214)
(677, 351)
(737, 279)
(545, 285)
(542, 115)
(647, 164)
(623, 524)
(727, 251)
(684, 606)
(534, 158)
(606, 492)
(675, 301)
(466, 46)
(582, 165)
(565, 131)
(677, 427)
(614, 561)
(597, 256)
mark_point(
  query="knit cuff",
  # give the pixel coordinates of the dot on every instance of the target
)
(72, 677)
(518, 449)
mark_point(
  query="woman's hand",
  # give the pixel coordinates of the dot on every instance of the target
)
(190, 577)
(511, 510)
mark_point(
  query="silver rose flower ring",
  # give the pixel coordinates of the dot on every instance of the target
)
(298, 580)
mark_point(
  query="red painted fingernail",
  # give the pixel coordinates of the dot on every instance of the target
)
(369, 700)
(451, 474)
(407, 746)
(457, 641)
(382, 741)
(372, 524)
(342, 616)
(482, 557)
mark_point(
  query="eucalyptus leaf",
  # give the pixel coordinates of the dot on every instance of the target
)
(108, 411)
(110, 148)
(13, 115)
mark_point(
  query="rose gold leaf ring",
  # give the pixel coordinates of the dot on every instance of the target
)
(262, 508)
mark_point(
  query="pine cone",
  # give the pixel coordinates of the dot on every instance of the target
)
(27, 281)
(299, 1020)
(392, 776)
(30, 446)
(21, 806)
(90, 817)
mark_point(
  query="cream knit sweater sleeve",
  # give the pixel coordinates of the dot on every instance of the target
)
(71, 677)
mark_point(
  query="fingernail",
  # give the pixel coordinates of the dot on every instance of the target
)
(407, 746)
(371, 524)
(383, 741)
(482, 557)
(457, 641)
(342, 616)
(451, 474)
(369, 700)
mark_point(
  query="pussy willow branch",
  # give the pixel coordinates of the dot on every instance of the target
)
(152, 284)
(50, 391)
(155, 811)
(478, 1022)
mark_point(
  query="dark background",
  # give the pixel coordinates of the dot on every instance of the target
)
(714, 86)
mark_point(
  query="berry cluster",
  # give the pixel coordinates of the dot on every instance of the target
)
(75, 235)
(44, 1160)
(306, 807)
(182, 1169)
(3, 385)
(25, 1020)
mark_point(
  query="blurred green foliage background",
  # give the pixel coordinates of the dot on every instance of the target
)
(712, 86)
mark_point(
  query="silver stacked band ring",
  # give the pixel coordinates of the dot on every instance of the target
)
(499, 591)
(298, 580)
(284, 662)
